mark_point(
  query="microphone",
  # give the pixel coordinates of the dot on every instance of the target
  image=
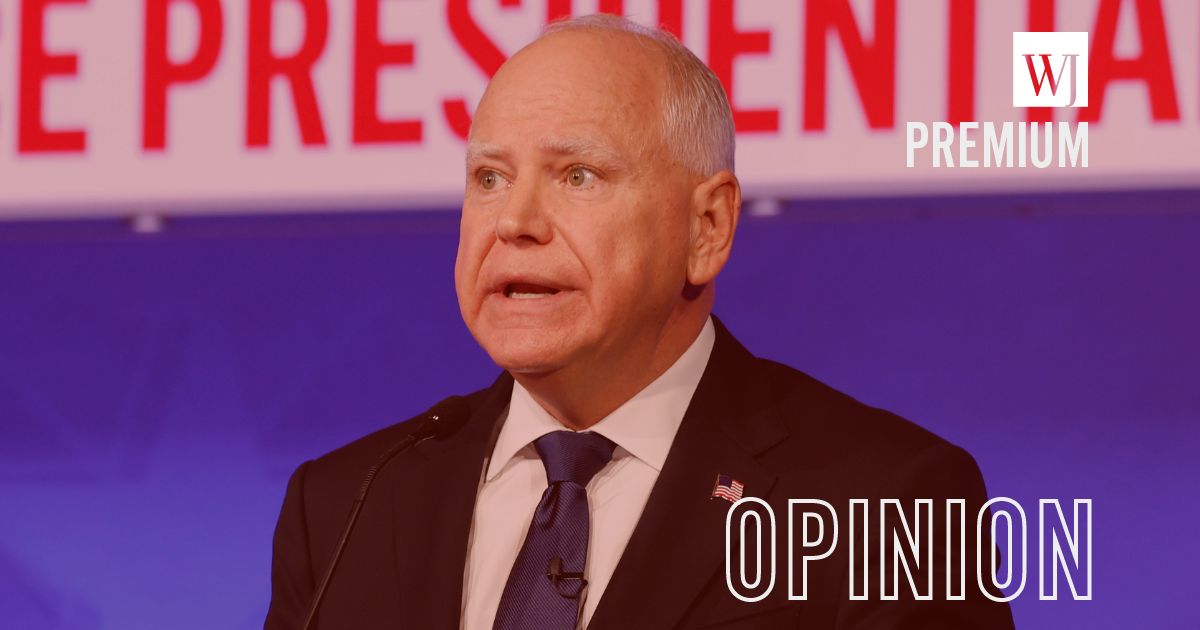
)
(558, 578)
(440, 422)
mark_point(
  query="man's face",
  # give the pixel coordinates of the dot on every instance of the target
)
(574, 233)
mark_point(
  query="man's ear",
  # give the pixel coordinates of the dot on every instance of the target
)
(716, 204)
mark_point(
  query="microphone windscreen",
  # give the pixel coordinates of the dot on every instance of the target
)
(448, 416)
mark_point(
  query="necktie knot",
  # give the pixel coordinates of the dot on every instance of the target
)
(575, 457)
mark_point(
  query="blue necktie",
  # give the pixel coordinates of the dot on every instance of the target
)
(544, 588)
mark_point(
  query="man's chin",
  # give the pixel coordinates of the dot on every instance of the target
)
(527, 366)
(529, 350)
(529, 361)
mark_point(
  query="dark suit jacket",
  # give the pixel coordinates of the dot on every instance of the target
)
(780, 432)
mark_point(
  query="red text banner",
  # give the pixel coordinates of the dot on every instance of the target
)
(200, 106)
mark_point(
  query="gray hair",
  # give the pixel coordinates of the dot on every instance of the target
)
(697, 120)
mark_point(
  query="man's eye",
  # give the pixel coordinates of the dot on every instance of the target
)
(580, 177)
(489, 180)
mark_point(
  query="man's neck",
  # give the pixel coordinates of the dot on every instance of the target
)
(579, 398)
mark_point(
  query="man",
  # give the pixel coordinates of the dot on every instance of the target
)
(600, 207)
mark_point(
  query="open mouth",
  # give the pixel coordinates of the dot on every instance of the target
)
(527, 291)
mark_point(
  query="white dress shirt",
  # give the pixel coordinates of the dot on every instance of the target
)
(514, 480)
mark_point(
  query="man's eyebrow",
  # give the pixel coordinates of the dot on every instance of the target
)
(566, 147)
(582, 147)
(482, 150)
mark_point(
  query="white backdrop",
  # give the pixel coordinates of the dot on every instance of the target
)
(207, 163)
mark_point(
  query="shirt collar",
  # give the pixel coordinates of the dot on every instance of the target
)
(643, 426)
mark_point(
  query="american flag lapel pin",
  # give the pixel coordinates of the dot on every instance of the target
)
(728, 488)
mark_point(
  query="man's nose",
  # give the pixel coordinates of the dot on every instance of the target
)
(524, 219)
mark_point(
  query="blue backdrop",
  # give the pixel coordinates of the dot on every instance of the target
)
(156, 390)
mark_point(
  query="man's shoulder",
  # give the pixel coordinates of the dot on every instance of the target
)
(346, 465)
(836, 429)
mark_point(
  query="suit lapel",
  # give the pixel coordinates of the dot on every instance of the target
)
(434, 506)
(678, 544)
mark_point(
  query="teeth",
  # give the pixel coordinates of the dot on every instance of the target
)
(528, 296)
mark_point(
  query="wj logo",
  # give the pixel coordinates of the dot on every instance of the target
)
(1050, 69)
